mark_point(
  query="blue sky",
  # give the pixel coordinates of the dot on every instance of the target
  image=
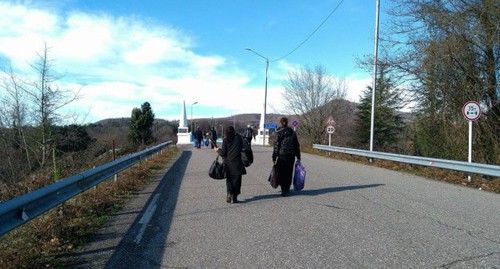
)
(125, 53)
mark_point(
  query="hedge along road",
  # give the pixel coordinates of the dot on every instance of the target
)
(348, 216)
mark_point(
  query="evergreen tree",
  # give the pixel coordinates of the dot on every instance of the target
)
(141, 124)
(388, 125)
(72, 138)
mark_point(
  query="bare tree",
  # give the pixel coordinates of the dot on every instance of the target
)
(13, 122)
(29, 114)
(448, 52)
(307, 95)
(46, 99)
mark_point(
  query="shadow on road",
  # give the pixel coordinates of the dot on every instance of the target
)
(313, 192)
(335, 189)
(129, 254)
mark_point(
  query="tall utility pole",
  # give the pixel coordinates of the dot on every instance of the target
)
(265, 94)
(375, 63)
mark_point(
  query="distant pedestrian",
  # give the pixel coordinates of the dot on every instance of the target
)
(286, 148)
(213, 136)
(198, 135)
(230, 151)
(249, 134)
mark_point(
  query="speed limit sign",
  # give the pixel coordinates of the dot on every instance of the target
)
(471, 110)
(330, 129)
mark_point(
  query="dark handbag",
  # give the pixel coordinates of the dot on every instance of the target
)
(273, 177)
(246, 154)
(217, 170)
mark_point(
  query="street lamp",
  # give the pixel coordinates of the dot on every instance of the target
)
(265, 94)
(192, 127)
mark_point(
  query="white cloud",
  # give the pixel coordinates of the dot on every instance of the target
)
(22, 32)
(356, 85)
(84, 38)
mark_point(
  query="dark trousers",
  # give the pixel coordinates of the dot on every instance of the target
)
(214, 139)
(285, 171)
(233, 184)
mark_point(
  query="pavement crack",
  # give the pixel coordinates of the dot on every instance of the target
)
(468, 259)
(336, 207)
(476, 234)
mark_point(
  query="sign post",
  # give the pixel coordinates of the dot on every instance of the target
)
(472, 112)
(330, 129)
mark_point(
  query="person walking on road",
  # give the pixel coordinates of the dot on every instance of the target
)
(286, 148)
(230, 151)
(198, 135)
(213, 136)
(249, 134)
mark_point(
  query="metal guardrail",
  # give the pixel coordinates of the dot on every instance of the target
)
(473, 168)
(20, 210)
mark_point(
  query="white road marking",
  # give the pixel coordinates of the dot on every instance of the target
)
(146, 217)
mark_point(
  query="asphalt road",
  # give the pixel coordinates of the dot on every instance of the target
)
(348, 216)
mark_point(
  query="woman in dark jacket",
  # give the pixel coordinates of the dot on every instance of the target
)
(230, 151)
(286, 148)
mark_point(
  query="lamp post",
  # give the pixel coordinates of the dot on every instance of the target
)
(192, 127)
(375, 63)
(265, 94)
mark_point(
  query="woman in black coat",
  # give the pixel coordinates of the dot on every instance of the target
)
(230, 151)
(286, 148)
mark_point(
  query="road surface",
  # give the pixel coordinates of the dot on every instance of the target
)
(349, 215)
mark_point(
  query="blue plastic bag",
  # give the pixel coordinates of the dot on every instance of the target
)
(299, 176)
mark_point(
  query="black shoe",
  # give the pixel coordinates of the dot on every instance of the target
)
(229, 198)
(235, 199)
(284, 193)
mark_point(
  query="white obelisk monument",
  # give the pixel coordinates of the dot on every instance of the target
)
(259, 138)
(183, 137)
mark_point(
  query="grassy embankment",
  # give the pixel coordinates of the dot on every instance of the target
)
(67, 227)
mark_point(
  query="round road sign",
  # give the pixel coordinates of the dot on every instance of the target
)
(471, 110)
(330, 129)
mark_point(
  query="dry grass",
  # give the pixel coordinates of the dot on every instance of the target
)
(68, 226)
